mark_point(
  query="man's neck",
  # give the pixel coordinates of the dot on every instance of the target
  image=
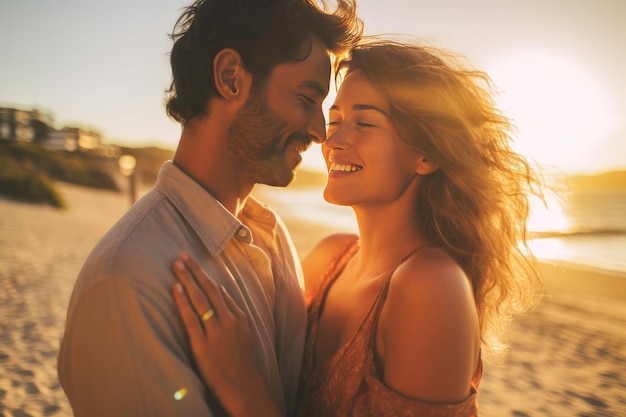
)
(204, 155)
(230, 196)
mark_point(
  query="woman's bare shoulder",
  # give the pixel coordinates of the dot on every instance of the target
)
(433, 269)
(329, 246)
(433, 285)
(316, 261)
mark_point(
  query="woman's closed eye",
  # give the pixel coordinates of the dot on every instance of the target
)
(334, 124)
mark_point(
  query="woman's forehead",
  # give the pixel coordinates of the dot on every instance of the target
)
(357, 90)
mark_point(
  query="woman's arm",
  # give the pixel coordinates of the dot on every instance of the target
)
(221, 342)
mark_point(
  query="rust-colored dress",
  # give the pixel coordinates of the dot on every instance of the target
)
(347, 383)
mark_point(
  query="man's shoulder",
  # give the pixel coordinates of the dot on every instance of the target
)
(139, 245)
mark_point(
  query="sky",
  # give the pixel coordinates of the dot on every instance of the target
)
(559, 65)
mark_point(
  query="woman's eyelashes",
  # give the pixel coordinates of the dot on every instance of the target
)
(361, 124)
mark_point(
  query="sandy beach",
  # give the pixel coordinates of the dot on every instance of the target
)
(568, 357)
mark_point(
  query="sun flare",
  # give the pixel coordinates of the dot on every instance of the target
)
(558, 109)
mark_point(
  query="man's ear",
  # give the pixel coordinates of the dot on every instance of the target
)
(231, 78)
(426, 165)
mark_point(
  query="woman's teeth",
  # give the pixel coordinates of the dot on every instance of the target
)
(345, 167)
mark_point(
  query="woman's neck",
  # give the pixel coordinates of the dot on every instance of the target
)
(387, 234)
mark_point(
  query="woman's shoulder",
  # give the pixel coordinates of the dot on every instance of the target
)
(430, 309)
(431, 284)
(331, 244)
(430, 272)
(315, 263)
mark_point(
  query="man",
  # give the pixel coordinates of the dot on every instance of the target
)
(249, 77)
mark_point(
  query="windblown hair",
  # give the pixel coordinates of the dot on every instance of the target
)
(265, 33)
(476, 205)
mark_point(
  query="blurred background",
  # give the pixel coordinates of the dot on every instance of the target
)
(83, 129)
(104, 65)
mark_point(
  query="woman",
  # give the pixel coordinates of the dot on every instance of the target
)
(398, 316)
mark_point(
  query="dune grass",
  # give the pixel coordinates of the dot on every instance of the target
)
(28, 172)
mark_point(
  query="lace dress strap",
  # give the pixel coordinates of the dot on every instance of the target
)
(382, 296)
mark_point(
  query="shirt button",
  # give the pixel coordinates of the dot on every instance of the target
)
(242, 233)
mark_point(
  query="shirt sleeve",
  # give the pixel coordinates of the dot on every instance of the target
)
(121, 356)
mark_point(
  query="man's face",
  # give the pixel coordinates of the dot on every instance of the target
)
(281, 119)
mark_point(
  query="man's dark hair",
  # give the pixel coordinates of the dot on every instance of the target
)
(264, 32)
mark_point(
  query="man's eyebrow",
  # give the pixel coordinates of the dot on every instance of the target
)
(364, 107)
(315, 86)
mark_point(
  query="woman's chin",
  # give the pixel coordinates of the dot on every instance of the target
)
(331, 198)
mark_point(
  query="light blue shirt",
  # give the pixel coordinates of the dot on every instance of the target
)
(125, 351)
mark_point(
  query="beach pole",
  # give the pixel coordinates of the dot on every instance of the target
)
(127, 165)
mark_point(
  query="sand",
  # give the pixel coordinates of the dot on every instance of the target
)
(568, 357)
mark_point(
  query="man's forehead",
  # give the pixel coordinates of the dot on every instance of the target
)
(312, 73)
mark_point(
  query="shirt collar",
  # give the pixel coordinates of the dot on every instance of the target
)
(213, 223)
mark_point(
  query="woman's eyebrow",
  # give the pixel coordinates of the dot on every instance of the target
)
(364, 107)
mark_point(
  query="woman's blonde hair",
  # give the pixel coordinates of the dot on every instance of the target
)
(476, 205)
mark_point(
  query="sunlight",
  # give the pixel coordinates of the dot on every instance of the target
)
(560, 112)
(548, 217)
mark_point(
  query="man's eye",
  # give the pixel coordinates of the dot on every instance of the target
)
(308, 100)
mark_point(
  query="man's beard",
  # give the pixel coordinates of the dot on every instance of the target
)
(255, 137)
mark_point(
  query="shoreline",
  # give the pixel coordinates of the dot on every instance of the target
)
(567, 357)
(297, 208)
(575, 279)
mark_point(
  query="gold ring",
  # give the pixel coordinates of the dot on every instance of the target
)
(209, 313)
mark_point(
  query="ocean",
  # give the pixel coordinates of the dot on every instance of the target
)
(585, 228)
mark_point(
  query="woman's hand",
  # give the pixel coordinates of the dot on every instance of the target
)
(221, 340)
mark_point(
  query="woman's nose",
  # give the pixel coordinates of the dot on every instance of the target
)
(337, 137)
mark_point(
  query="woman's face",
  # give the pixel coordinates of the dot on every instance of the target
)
(368, 164)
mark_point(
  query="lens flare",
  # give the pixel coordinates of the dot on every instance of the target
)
(180, 394)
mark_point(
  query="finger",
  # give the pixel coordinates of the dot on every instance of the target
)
(187, 314)
(232, 305)
(206, 283)
(196, 297)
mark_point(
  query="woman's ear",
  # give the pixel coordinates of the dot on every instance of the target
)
(231, 78)
(426, 165)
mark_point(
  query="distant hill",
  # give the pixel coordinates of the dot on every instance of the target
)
(611, 180)
(150, 159)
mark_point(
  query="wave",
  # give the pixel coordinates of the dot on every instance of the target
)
(591, 232)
